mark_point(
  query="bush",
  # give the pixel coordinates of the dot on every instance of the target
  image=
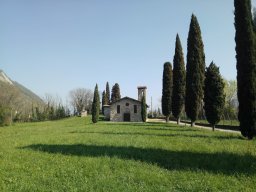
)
(5, 116)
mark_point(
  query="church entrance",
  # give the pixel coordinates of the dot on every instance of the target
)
(127, 117)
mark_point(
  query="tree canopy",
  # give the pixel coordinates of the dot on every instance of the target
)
(115, 94)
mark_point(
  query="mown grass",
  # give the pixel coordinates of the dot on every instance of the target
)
(75, 155)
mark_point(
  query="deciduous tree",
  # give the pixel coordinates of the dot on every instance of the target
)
(81, 99)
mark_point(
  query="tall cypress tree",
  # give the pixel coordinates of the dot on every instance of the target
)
(143, 109)
(167, 91)
(107, 94)
(115, 94)
(104, 101)
(214, 97)
(95, 105)
(246, 67)
(195, 71)
(179, 81)
(254, 19)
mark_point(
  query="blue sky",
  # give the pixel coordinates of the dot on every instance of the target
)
(54, 46)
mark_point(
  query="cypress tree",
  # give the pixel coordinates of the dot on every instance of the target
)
(246, 67)
(179, 81)
(167, 91)
(115, 94)
(103, 101)
(143, 109)
(214, 98)
(195, 71)
(254, 19)
(95, 105)
(107, 94)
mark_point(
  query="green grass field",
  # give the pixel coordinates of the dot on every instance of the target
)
(75, 155)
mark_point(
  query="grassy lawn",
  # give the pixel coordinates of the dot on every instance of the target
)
(75, 155)
(222, 122)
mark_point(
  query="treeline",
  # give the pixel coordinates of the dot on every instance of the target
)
(49, 113)
(52, 108)
(197, 87)
(13, 108)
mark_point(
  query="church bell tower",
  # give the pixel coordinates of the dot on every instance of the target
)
(142, 92)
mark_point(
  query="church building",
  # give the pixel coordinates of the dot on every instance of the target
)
(126, 109)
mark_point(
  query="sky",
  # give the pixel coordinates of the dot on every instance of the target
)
(54, 46)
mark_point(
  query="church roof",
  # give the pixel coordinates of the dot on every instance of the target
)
(127, 98)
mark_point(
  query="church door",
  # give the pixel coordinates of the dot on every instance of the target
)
(127, 117)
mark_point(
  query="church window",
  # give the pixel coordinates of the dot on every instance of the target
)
(135, 108)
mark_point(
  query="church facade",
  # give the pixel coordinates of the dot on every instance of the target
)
(126, 109)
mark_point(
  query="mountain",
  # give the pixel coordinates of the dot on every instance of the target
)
(15, 94)
(4, 78)
(27, 93)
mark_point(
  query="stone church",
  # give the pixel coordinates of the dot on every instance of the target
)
(126, 109)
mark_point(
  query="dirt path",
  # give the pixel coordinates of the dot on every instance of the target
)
(197, 126)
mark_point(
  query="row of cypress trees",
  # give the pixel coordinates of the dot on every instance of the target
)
(208, 87)
(194, 85)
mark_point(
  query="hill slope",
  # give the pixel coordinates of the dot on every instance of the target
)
(16, 96)
(28, 93)
(24, 92)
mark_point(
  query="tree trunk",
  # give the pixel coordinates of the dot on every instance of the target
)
(178, 120)
(192, 123)
(167, 119)
(213, 127)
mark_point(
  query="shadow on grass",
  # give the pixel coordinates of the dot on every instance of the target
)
(162, 135)
(219, 126)
(141, 124)
(225, 163)
(181, 129)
